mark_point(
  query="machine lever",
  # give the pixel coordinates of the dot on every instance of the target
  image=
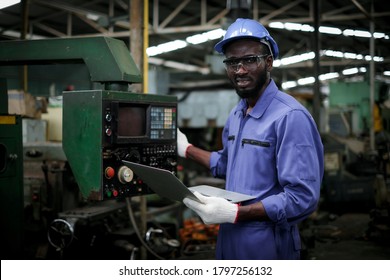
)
(151, 231)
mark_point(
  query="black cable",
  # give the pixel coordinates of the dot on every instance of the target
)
(132, 219)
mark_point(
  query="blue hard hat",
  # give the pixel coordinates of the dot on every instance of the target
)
(247, 28)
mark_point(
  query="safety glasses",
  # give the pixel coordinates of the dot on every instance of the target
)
(250, 63)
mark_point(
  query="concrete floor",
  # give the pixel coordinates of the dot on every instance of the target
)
(343, 236)
(348, 236)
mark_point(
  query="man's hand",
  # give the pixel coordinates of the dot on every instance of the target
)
(182, 144)
(213, 210)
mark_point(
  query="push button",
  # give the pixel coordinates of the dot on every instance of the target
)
(109, 172)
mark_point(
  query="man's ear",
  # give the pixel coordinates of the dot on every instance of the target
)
(269, 62)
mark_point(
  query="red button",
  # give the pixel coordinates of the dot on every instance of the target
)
(109, 172)
(115, 193)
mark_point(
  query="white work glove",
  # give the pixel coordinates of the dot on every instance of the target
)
(214, 210)
(182, 144)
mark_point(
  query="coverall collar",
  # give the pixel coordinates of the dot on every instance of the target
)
(262, 103)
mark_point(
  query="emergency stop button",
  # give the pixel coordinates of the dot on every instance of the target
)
(109, 172)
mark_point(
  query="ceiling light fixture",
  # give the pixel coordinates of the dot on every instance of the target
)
(327, 30)
(323, 77)
(166, 47)
(350, 71)
(179, 44)
(328, 76)
(179, 65)
(306, 81)
(206, 36)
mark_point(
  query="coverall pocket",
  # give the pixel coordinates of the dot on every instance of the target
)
(306, 162)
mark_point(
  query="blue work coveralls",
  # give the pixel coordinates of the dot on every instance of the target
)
(276, 154)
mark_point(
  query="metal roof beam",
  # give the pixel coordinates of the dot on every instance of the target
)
(280, 11)
(69, 8)
(92, 23)
(49, 29)
(170, 17)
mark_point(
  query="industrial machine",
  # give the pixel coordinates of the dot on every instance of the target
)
(349, 175)
(11, 179)
(101, 127)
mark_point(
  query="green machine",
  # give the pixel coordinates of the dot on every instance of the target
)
(100, 127)
(11, 179)
(103, 127)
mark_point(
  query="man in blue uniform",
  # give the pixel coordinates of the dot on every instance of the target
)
(271, 150)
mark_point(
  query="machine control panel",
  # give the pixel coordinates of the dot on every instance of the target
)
(103, 127)
(120, 181)
(141, 132)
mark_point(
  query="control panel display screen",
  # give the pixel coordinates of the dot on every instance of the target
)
(131, 121)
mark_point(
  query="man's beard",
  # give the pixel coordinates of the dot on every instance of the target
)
(254, 92)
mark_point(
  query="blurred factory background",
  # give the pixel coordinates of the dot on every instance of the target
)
(66, 76)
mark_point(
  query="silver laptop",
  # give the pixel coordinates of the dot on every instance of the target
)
(166, 184)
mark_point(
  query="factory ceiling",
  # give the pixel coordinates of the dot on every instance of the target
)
(344, 42)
